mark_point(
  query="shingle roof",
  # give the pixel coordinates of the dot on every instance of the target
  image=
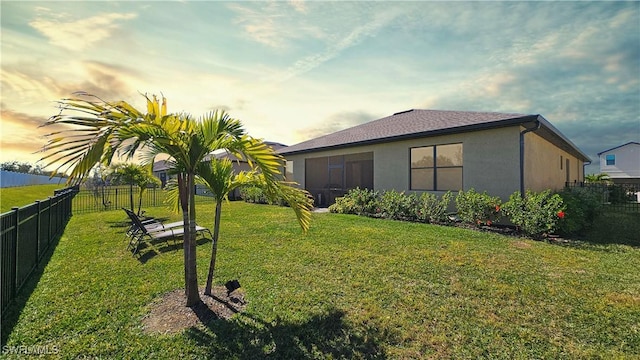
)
(422, 123)
(225, 155)
(161, 165)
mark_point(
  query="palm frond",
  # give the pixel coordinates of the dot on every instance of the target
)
(172, 199)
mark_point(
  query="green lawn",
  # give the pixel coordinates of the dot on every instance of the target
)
(353, 287)
(25, 195)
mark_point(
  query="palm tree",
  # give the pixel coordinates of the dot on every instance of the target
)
(143, 181)
(103, 129)
(219, 177)
(133, 174)
(601, 178)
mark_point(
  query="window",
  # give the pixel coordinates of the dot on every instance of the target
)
(436, 167)
(611, 159)
(289, 170)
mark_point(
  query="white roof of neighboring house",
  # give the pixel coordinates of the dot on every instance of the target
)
(617, 147)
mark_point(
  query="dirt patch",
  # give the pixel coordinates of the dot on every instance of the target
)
(518, 244)
(169, 315)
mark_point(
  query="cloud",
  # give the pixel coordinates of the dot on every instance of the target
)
(335, 122)
(20, 119)
(22, 134)
(105, 80)
(261, 24)
(299, 5)
(77, 35)
(335, 48)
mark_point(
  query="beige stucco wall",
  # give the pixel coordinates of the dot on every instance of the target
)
(491, 160)
(543, 169)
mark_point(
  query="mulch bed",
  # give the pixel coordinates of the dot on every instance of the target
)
(169, 315)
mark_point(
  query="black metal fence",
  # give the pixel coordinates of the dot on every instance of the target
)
(617, 197)
(106, 198)
(27, 233)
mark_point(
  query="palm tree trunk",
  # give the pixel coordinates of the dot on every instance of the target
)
(184, 205)
(214, 248)
(193, 295)
(140, 200)
(133, 205)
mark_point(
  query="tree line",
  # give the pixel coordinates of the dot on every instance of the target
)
(27, 168)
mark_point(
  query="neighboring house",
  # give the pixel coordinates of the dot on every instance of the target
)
(241, 165)
(162, 167)
(161, 171)
(436, 151)
(622, 163)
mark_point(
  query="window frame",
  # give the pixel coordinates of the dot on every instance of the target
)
(610, 159)
(434, 168)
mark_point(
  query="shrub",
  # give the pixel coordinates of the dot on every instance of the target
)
(343, 205)
(431, 210)
(398, 206)
(478, 209)
(357, 201)
(254, 194)
(537, 214)
(619, 195)
(583, 206)
(366, 201)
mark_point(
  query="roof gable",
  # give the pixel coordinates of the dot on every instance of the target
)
(619, 146)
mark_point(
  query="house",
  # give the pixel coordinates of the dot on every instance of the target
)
(240, 164)
(622, 163)
(161, 171)
(437, 151)
(161, 168)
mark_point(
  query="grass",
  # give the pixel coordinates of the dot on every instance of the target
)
(352, 287)
(25, 195)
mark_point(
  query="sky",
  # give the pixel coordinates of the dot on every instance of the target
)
(295, 70)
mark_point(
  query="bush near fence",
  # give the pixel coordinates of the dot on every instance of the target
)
(615, 197)
(27, 233)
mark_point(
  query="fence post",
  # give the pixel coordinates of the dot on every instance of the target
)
(49, 229)
(14, 281)
(116, 198)
(38, 235)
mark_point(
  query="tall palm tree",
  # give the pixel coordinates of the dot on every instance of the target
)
(102, 129)
(219, 177)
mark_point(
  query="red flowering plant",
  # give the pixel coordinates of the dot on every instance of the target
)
(535, 214)
(478, 209)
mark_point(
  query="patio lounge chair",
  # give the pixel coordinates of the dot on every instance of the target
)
(162, 232)
(151, 225)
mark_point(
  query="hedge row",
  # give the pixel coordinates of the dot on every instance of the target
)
(569, 212)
